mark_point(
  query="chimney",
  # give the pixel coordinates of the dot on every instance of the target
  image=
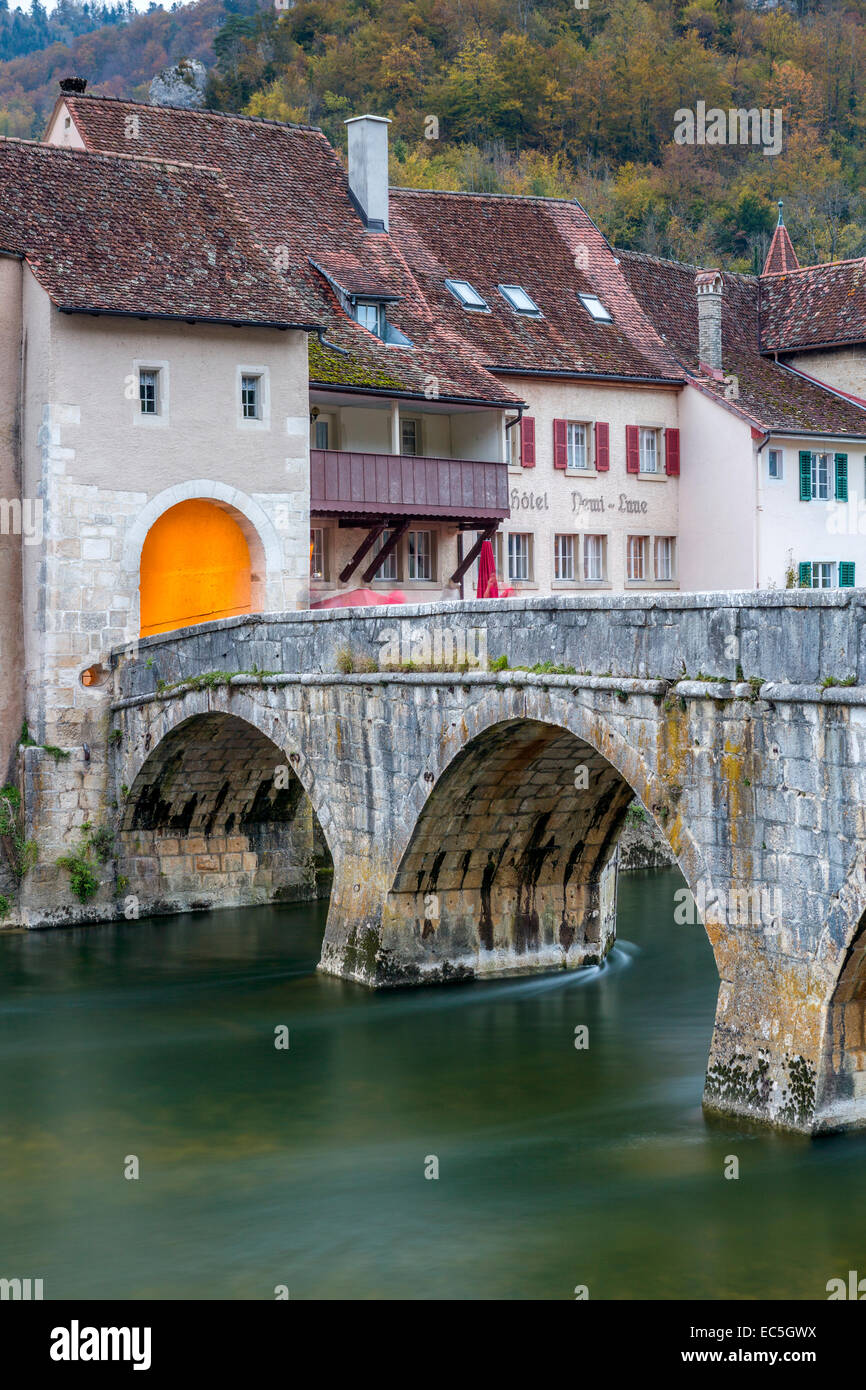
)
(708, 284)
(73, 84)
(368, 169)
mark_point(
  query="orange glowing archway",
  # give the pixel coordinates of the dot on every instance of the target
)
(195, 567)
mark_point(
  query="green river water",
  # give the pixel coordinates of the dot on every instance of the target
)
(305, 1167)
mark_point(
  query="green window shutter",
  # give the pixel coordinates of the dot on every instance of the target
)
(805, 476)
(846, 574)
(805, 572)
(841, 477)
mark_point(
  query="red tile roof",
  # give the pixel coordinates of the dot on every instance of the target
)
(121, 235)
(293, 191)
(770, 396)
(554, 251)
(817, 306)
(781, 256)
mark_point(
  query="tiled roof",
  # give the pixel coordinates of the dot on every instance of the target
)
(132, 236)
(293, 191)
(554, 251)
(819, 305)
(770, 396)
(781, 256)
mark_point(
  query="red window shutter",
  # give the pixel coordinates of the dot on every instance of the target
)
(602, 446)
(527, 441)
(672, 453)
(560, 444)
(632, 449)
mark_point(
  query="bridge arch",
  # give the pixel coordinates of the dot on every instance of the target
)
(217, 816)
(228, 507)
(509, 861)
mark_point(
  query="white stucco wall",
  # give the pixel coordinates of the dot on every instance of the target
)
(717, 497)
(792, 531)
(11, 525)
(105, 473)
(616, 504)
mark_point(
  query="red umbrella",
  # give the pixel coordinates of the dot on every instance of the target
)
(359, 598)
(487, 585)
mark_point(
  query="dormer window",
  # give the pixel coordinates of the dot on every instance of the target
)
(594, 306)
(467, 296)
(519, 300)
(370, 314)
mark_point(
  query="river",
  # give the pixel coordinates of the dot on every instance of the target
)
(304, 1167)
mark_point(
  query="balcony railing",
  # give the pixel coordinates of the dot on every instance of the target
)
(388, 485)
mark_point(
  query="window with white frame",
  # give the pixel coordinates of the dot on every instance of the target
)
(665, 559)
(409, 436)
(520, 555)
(820, 479)
(388, 567)
(594, 555)
(635, 558)
(649, 450)
(821, 574)
(148, 390)
(564, 548)
(370, 314)
(317, 553)
(775, 464)
(251, 397)
(577, 435)
(420, 554)
(513, 437)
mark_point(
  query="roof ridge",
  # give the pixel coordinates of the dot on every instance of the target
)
(819, 265)
(510, 197)
(192, 111)
(70, 151)
(683, 265)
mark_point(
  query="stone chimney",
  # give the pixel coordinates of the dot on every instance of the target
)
(368, 168)
(709, 285)
(73, 84)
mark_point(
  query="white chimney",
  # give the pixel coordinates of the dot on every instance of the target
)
(709, 286)
(368, 168)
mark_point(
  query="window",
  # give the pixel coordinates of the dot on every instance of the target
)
(593, 557)
(594, 306)
(513, 436)
(388, 568)
(665, 557)
(409, 433)
(520, 556)
(148, 390)
(317, 553)
(578, 453)
(821, 479)
(420, 555)
(322, 433)
(649, 450)
(251, 402)
(826, 574)
(636, 558)
(775, 464)
(467, 295)
(519, 300)
(370, 314)
(563, 557)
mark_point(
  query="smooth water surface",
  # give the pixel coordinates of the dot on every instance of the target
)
(306, 1167)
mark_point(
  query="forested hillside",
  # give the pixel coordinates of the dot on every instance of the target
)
(540, 97)
(544, 97)
(119, 57)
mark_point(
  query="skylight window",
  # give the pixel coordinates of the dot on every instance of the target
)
(594, 306)
(519, 300)
(467, 295)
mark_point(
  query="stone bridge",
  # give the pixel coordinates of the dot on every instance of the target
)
(471, 811)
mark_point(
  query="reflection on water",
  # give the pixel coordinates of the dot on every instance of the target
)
(305, 1167)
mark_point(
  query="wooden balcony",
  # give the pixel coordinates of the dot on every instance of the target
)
(368, 486)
